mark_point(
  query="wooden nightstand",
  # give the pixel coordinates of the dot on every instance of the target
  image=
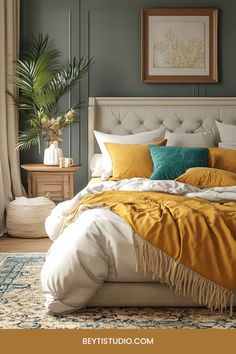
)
(56, 182)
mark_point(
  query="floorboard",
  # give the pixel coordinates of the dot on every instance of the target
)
(20, 245)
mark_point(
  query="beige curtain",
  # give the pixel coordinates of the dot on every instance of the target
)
(10, 181)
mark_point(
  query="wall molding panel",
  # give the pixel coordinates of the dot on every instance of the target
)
(110, 31)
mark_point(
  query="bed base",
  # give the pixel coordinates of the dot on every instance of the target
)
(140, 295)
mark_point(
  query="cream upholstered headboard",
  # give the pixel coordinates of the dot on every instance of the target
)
(132, 115)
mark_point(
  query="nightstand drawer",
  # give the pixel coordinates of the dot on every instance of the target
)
(55, 185)
(55, 190)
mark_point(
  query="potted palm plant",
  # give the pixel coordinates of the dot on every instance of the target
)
(42, 80)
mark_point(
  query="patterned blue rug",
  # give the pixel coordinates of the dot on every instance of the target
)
(21, 305)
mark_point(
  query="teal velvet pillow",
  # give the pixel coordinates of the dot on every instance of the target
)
(171, 161)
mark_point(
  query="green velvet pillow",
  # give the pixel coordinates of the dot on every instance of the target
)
(171, 161)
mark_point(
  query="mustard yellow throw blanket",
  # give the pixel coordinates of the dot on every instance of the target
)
(188, 243)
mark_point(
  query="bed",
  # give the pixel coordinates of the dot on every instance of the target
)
(123, 285)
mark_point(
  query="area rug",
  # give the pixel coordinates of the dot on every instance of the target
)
(21, 306)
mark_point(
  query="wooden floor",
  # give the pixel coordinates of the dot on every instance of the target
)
(21, 245)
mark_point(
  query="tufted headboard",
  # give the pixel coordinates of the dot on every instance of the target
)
(131, 115)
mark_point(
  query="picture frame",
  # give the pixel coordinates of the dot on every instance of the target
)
(179, 45)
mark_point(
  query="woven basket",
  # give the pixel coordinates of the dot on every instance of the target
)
(26, 217)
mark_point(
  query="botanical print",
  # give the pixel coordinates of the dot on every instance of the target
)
(179, 45)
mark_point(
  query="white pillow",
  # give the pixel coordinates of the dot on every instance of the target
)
(227, 132)
(96, 165)
(141, 138)
(231, 146)
(205, 139)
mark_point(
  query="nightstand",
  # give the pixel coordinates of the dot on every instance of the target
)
(55, 182)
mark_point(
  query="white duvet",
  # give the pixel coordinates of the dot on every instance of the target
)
(98, 246)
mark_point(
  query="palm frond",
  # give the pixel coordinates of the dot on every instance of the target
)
(42, 81)
(28, 138)
(42, 47)
(69, 76)
(65, 80)
(25, 103)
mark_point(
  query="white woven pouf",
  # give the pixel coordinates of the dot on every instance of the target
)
(26, 217)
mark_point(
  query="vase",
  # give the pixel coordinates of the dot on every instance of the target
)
(52, 154)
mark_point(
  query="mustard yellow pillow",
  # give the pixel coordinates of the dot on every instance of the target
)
(224, 159)
(205, 177)
(131, 160)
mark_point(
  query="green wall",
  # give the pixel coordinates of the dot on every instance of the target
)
(109, 30)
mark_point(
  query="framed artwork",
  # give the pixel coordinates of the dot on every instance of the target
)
(179, 45)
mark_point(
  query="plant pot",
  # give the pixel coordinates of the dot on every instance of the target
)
(52, 154)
